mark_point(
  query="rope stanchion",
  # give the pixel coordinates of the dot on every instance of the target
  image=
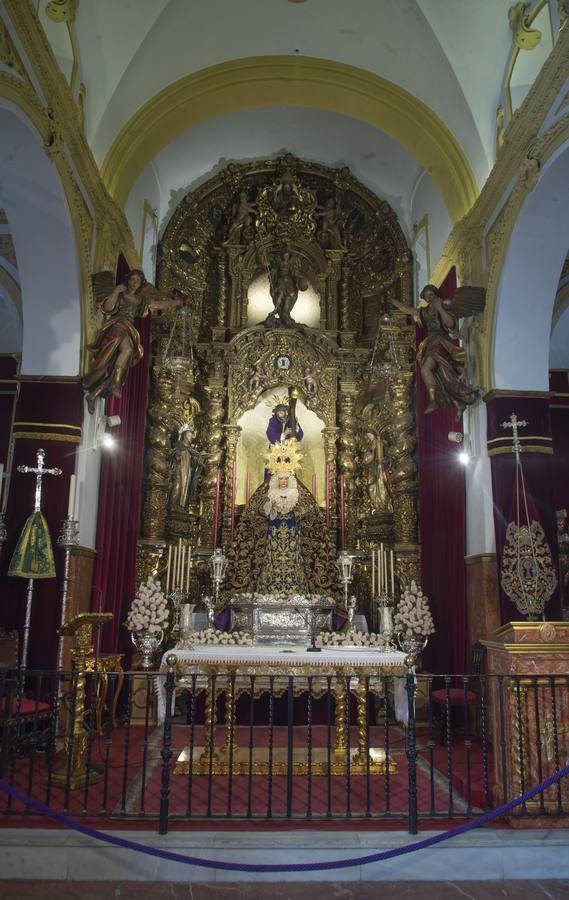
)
(169, 855)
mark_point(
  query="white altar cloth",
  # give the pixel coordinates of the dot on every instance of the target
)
(362, 660)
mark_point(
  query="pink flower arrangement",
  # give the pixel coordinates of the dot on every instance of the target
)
(413, 617)
(149, 609)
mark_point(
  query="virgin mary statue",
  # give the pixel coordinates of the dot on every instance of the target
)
(282, 545)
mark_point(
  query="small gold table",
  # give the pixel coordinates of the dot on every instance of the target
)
(361, 670)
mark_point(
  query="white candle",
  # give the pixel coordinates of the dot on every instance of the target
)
(373, 573)
(168, 568)
(188, 572)
(379, 573)
(174, 568)
(392, 576)
(179, 569)
(182, 568)
(71, 504)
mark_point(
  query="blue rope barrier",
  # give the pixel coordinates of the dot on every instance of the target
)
(288, 867)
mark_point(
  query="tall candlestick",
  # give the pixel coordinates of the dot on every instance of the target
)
(188, 570)
(342, 514)
(233, 488)
(179, 570)
(248, 487)
(327, 493)
(373, 573)
(379, 572)
(216, 507)
(182, 568)
(71, 504)
(392, 576)
(174, 567)
(168, 568)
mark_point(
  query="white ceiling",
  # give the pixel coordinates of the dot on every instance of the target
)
(450, 54)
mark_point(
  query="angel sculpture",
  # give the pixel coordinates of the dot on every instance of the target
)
(243, 213)
(329, 223)
(285, 283)
(441, 361)
(117, 346)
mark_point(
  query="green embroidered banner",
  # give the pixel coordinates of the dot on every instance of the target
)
(33, 556)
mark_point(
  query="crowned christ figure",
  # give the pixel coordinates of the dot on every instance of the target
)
(282, 545)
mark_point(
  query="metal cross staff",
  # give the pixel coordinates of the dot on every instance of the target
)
(514, 423)
(39, 471)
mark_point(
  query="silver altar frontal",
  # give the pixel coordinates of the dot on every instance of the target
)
(274, 620)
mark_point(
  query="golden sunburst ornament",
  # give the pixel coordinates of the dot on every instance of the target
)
(283, 457)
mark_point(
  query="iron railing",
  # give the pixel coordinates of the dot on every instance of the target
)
(317, 748)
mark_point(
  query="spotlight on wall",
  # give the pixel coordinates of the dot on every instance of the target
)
(464, 457)
(108, 441)
(455, 437)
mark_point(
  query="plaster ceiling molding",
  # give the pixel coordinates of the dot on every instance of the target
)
(130, 52)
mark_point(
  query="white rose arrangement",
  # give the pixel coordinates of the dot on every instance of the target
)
(413, 617)
(149, 609)
(348, 638)
(213, 636)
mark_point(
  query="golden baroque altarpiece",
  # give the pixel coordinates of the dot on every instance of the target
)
(347, 245)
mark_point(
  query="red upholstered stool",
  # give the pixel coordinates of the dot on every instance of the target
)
(459, 697)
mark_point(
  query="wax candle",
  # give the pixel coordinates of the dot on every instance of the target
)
(342, 514)
(327, 493)
(392, 576)
(373, 573)
(182, 568)
(71, 503)
(168, 568)
(188, 570)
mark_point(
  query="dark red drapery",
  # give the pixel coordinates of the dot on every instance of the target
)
(120, 498)
(442, 523)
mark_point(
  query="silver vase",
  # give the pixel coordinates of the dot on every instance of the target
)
(147, 644)
(413, 647)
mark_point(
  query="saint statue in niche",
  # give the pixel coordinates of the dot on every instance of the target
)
(285, 283)
(329, 234)
(376, 478)
(310, 381)
(117, 347)
(187, 466)
(441, 360)
(280, 425)
(243, 213)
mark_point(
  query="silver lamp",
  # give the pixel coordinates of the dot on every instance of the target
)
(345, 566)
(217, 568)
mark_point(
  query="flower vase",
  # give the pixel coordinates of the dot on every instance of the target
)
(147, 644)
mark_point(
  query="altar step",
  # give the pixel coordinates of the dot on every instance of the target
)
(275, 761)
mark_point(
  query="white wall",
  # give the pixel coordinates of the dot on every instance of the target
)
(146, 188)
(44, 242)
(426, 200)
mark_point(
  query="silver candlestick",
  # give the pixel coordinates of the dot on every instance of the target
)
(217, 566)
(68, 538)
(177, 597)
(385, 606)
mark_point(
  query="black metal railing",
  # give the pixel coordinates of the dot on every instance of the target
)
(270, 747)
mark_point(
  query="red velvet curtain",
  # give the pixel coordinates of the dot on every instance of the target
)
(442, 524)
(120, 498)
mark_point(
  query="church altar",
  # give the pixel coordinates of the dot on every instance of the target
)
(238, 670)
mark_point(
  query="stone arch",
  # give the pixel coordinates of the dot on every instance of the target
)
(44, 237)
(528, 281)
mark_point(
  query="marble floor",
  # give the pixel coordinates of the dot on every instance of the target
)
(401, 890)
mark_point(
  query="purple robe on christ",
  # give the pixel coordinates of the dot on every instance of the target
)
(275, 430)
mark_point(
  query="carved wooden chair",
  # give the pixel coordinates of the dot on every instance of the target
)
(23, 720)
(463, 698)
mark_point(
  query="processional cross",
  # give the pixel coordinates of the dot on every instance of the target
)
(514, 423)
(39, 471)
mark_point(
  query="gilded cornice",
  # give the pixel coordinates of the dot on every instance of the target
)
(514, 175)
